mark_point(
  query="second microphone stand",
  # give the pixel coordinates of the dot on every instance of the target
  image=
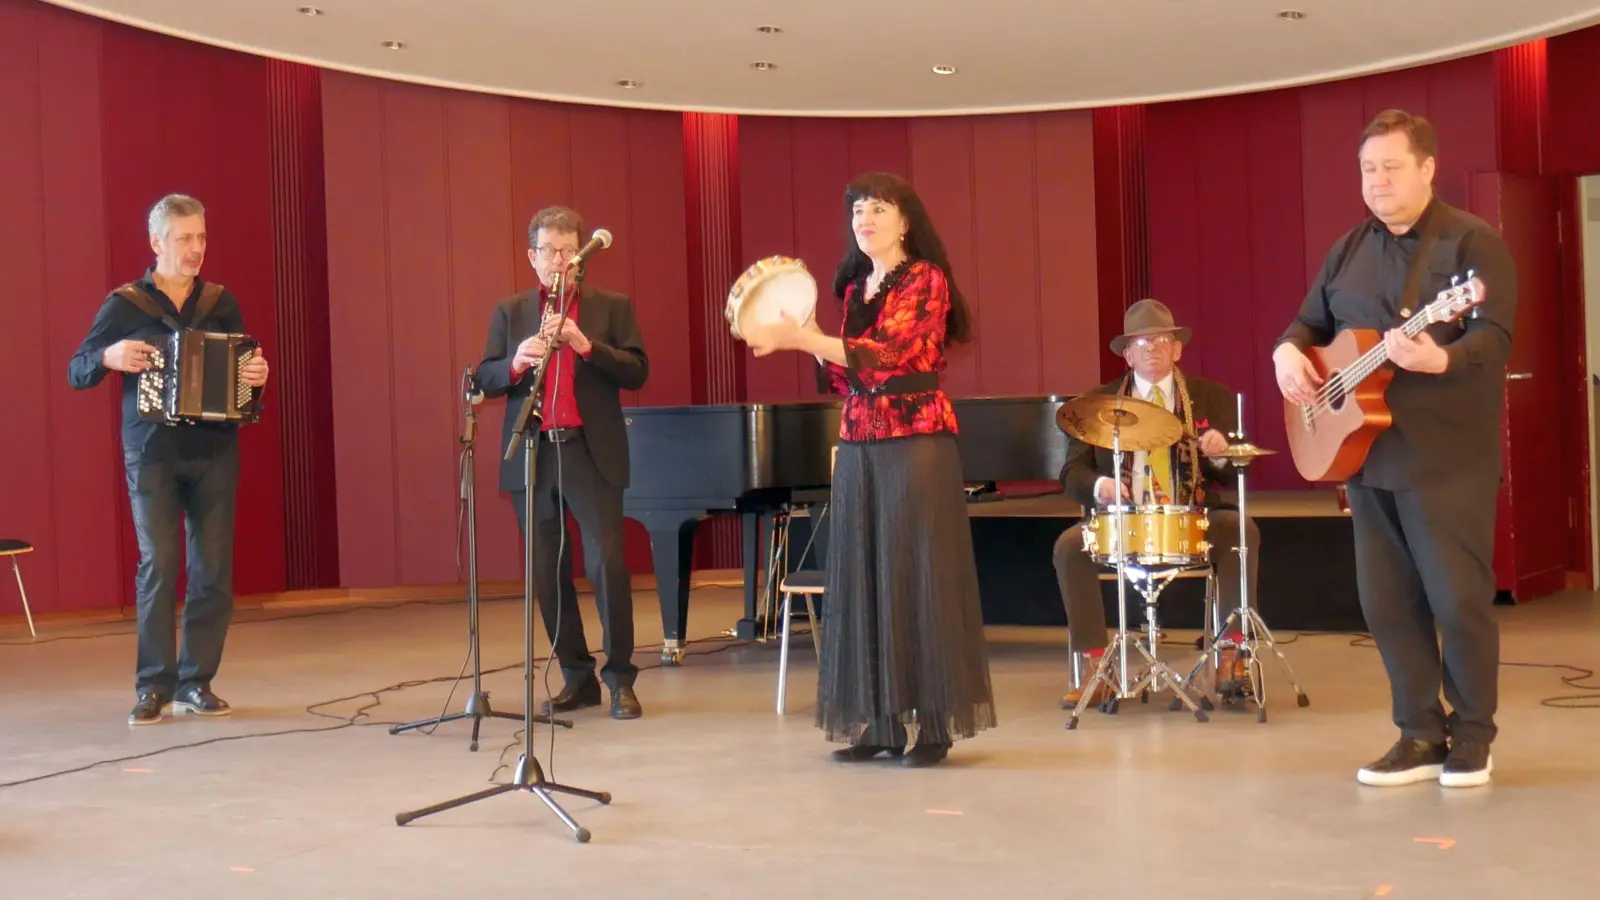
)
(528, 774)
(477, 708)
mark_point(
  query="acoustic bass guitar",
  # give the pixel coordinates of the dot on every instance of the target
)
(1329, 438)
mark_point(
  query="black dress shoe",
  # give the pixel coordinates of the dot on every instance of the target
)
(581, 695)
(624, 704)
(921, 755)
(863, 752)
(148, 710)
(200, 701)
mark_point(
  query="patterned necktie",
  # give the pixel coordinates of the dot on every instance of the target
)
(1160, 461)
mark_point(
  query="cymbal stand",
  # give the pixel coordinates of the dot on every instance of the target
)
(528, 775)
(477, 708)
(1253, 629)
(1157, 671)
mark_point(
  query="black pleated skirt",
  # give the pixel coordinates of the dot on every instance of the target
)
(903, 654)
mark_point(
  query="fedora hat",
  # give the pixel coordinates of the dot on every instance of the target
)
(1145, 318)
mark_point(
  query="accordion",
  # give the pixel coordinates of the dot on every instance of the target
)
(194, 377)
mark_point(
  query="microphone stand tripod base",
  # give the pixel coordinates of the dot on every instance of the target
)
(528, 776)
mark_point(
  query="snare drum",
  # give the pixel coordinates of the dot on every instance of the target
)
(777, 284)
(1157, 535)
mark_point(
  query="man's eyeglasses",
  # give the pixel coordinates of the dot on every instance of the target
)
(1157, 342)
(548, 252)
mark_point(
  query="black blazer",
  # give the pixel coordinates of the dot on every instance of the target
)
(616, 363)
(1211, 402)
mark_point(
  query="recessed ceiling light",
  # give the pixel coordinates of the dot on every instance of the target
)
(628, 83)
(1291, 14)
(763, 65)
(394, 45)
(309, 11)
(944, 70)
(769, 29)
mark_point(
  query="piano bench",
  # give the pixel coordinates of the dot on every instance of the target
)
(807, 583)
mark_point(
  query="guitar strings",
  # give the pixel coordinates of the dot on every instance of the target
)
(1345, 380)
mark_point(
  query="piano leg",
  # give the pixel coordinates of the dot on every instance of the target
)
(751, 523)
(672, 551)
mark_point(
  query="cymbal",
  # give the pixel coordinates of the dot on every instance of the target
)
(1141, 425)
(1243, 450)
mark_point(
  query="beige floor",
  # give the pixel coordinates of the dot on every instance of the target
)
(716, 796)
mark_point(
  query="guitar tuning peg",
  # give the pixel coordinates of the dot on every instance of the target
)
(1454, 279)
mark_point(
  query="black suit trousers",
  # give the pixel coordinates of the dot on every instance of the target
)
(567, 479)
(1425, 569)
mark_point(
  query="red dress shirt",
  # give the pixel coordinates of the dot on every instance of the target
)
(559, 408)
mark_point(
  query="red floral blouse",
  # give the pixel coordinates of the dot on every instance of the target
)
(900, 331)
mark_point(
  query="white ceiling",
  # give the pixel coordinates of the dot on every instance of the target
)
(858, 57)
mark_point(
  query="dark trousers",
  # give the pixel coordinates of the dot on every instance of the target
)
(169, 497)
(1425, 569)
(596, 504)
(1079, 577)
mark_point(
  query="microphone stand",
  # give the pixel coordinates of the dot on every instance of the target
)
(528, 774)
(477, 708)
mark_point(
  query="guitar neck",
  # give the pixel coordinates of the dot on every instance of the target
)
(1372, 360)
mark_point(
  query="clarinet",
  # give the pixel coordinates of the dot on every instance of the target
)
(558, 288)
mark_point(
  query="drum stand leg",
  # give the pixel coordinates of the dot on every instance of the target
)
(1252, 628)
(1157, 675)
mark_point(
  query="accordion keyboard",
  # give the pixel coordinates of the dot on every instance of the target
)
(152, 391)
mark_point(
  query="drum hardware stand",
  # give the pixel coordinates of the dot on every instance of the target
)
(1157, 671)
(1252, 627)
(528, 774)
(477, 708)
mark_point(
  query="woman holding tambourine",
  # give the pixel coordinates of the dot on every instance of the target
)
(904, 669)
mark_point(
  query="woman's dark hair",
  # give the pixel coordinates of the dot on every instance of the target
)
(922, 242)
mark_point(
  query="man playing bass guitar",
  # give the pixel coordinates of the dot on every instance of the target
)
(1423, 501)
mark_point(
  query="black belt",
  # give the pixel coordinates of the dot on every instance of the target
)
(560, 435)
(910, 383)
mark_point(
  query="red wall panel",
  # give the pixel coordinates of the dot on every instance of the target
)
(429, 195)
(311, 552)
(1013, 198)
(1122, 229)
(227, 166)
(1571, 143)
(85, 164)
(1247, 193)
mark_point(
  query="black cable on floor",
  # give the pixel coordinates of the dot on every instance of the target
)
(354, 720)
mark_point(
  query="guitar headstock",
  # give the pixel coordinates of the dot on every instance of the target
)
(1456, 300)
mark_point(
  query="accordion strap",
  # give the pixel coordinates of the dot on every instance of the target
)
(133, 293)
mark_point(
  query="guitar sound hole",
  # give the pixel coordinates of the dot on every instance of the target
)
(1336, 395)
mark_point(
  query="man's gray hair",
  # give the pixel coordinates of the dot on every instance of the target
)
(172, 206)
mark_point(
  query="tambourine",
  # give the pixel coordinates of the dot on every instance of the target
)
(770, 287)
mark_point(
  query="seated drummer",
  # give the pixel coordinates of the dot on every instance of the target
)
(1152, 345)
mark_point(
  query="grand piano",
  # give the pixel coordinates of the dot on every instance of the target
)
(752, 460)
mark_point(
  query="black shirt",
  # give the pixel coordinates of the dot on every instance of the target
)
(118, 319)
(1446, 426)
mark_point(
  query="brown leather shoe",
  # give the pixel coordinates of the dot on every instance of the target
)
(1086, 671)
(625, 704)
(581, 695)
(1233, 673)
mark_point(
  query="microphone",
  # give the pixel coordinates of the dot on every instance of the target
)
(600, 240)
(469, 386)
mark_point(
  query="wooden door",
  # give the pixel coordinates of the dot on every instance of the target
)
(1544, 445)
